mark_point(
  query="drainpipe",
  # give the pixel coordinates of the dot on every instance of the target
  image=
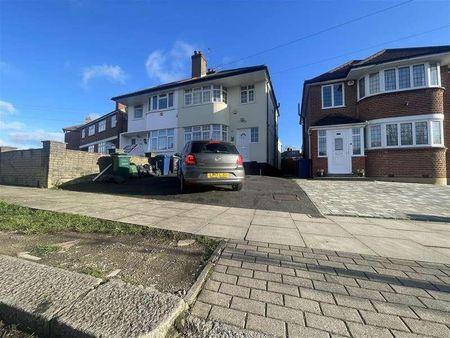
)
(267, 123)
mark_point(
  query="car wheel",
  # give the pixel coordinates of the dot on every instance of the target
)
(237, 187)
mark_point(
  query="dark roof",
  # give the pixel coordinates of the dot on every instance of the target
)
(335, 119)
(386, 55)
(212, 76)
(334, 74)
(73, 128)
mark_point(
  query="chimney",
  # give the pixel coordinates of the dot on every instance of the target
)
(121, 107)
(198, 64)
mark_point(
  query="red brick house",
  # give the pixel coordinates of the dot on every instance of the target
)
(387, 115)
(98, 135)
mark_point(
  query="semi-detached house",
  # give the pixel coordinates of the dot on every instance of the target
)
(387, 115)
(237, 105)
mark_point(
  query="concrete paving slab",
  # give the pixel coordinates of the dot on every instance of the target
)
(274, 235)
(164, 212)
(31, 294)
(117, 309)
(321, 229)
(240, 211)
(182, 223)
(397, 224)
(230, 219)
(371, 230)
(346, 244)
(441, 239)
(141, 219)
(273, 221)
(433, 226)
(273, 213)
(223, 231)
(402, 248)
(205, 212)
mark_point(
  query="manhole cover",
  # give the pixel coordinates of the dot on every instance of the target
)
(285, 197)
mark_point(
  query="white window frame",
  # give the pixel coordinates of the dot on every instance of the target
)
(159, 137)
(157, 97)
(206, 93)
(324, 136)
(361, 141)
(91, 130)
(83, 133)
(91, 148)
(202, 130)
(140, 106)
(254, 135)
(397, 79)
(245, 93)
(429, 119)
(332, 95)
(101, 126)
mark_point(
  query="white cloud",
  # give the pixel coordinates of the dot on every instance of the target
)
(15, 125)
(6, 108)
(33, 138)
(167, 66)
(109, 72)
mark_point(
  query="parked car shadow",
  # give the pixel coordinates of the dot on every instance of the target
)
(259, 192)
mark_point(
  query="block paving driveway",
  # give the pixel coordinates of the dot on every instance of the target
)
(379, 199)
(290, 291)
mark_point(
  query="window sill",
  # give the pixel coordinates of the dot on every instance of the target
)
(244, 104)
(407, 147)
(334, 107)
(160, 110)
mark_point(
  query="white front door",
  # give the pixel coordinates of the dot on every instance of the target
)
(242, 143)
(339, 147)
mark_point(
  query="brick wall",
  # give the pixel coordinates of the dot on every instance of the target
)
(73, 139)
(420, 163)
(24, 167)
(445, 81)
(317, 162)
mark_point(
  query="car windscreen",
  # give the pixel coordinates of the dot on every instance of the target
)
(213, 147)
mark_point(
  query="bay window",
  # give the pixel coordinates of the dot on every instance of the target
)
(205, 94)
(415, 131)
(161, 101)
(395, 79)
(206, 132)
(333, 95)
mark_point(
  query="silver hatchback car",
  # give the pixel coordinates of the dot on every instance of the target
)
(210, 163)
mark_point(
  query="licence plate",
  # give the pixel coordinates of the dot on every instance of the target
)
(217, 175)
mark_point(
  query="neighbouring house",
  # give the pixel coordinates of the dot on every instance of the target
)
(99, 135)
(236, 105)
(387, 116)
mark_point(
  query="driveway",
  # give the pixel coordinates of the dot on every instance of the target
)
(259, 192)
(380, 199)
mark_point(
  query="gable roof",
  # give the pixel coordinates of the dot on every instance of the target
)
(212, 76)
(386, 55)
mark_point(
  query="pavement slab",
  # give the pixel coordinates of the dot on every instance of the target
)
(326, 297)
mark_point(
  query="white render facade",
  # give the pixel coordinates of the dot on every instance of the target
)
(237, 106)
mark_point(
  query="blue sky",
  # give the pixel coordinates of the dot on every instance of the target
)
(63, 60)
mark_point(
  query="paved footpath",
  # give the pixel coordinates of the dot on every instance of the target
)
(290, 291)
(424, 241)
(379, 199)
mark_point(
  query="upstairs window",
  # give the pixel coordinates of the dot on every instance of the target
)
(102, 126)
(404, 79)
(374, 83)
(390, 80)
(83, 133)
(333, 95)
(248, 94)
(362, 87)
(91, 130)
(161, 101)
(113, 121)
(205, 94)
(138, 111)
(419, 75)
(434, 76)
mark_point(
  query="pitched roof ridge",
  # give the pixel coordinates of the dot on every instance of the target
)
(374, 55)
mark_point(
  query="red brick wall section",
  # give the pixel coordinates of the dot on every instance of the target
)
(317, 162)
(409, 163)
(445, 80)
(358, 163)
(411, 102)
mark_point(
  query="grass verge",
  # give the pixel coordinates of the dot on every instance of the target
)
(32, 221)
